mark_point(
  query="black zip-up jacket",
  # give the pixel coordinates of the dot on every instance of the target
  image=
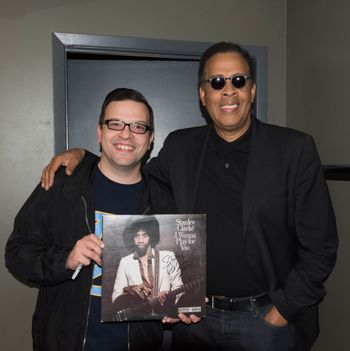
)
(45, 231)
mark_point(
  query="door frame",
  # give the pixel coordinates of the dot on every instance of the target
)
(65, 43)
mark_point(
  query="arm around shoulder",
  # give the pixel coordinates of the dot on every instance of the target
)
(69, 159)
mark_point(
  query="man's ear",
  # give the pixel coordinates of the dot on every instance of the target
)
(202, 95)
(99, 132)
(253, 92)
(151, 140)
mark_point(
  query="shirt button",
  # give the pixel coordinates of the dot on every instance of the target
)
(227, 165)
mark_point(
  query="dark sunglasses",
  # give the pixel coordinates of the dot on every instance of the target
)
(218, 82)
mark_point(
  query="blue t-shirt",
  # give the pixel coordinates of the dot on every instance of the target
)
(115, 198)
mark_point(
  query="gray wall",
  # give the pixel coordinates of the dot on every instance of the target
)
(26, 106)
(317, 102)
(316, 91)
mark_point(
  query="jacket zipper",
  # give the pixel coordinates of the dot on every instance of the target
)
(146, 210)
(90, 231)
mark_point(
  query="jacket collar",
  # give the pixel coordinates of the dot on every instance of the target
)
(194, 168)
(257, 163)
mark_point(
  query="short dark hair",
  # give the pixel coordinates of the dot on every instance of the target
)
(122, 94)
(221, 48)
(148, 223)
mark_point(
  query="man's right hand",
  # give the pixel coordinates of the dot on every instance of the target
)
(87, 249)
(70, 159)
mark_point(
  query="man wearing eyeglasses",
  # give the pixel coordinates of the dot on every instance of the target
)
(271, 231)
(53, 235)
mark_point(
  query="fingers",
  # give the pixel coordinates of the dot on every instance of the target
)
(162, 296)
(70, 165)
(87, 249)
(143, 291)
(73, 159)
(140, 290)
(275, 318)
(191, 319)
(70, 159)
(194, 318)
(45, 181)
(170, 320)
(48, 174)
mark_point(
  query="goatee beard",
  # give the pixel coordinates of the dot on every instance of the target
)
(141, 251)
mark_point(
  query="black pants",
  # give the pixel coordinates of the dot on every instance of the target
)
(145, 336)
(231, 330)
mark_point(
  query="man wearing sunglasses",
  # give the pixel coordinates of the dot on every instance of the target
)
(53, 245)
(271, 232)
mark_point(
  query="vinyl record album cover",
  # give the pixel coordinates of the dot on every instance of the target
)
(153, 266)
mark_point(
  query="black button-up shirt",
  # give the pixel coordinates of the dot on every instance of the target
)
(220, 196)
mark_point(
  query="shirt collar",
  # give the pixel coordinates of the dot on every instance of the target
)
(217, 143)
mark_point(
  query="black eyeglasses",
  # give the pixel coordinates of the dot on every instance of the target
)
(218, 82)
(137, 128)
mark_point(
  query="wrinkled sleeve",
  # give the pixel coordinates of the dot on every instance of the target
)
(121, 281)
(317, 237)
(30, 253)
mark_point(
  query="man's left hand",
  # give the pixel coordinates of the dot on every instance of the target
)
(192, 318)
(275, 318)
